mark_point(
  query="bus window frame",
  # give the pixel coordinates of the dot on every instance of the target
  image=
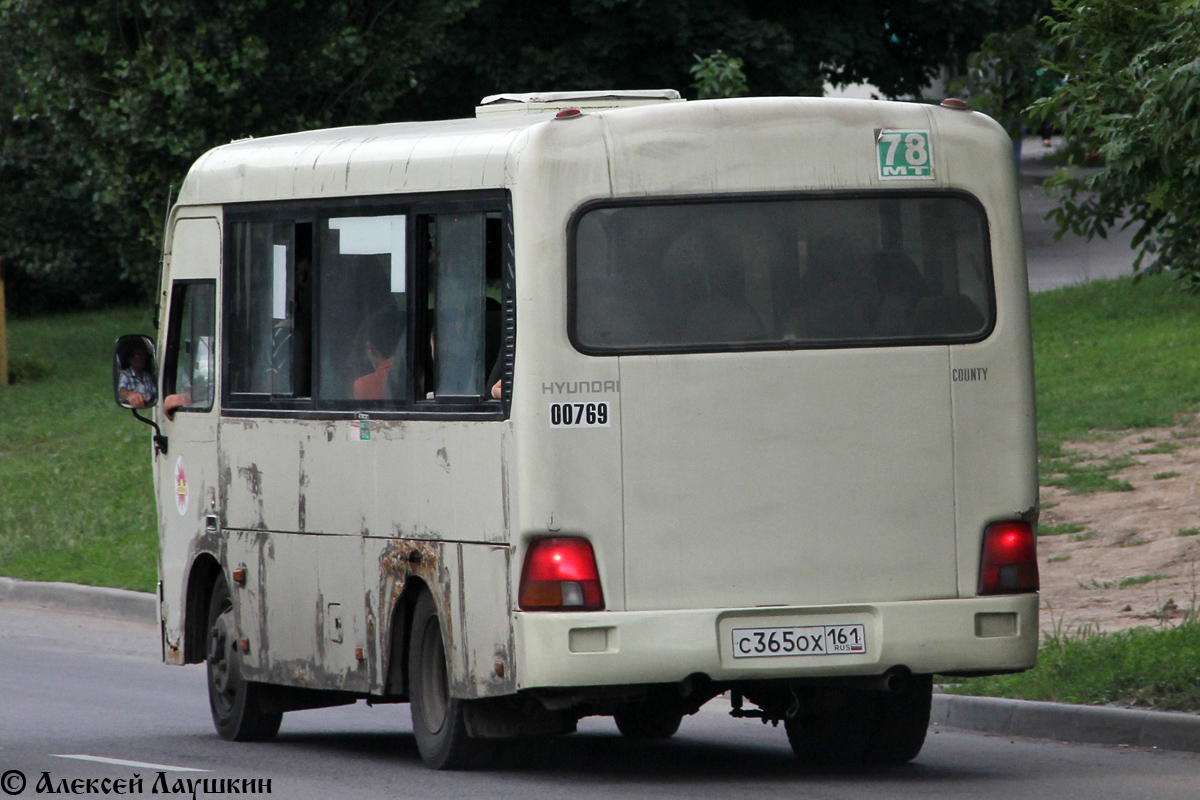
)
(319, 210)
(777, 345)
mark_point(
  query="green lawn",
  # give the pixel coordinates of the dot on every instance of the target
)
(76, 499)
(1111, 356)
(1152, 667)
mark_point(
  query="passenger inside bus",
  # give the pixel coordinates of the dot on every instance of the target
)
(383, 330)
(901, 288)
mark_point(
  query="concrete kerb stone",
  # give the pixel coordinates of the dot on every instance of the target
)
(1166, 730)
(99, 600)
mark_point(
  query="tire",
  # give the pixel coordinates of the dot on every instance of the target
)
(901, 721)
(648, 720)
(832, 726)
(437, 718)
(236, 704)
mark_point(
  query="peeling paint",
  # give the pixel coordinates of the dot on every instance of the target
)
(373, 662)
(302, 500)
(464, 686)
(445, 567)
(253, 478)
(320, 628)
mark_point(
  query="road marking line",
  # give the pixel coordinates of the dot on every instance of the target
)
(122, 763)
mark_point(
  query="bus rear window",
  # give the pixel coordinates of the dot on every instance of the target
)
(816, 271)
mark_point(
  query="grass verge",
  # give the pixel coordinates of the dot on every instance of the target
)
(1144, 667)
(76, 498)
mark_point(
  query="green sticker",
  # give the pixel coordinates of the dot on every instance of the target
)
(904, 155)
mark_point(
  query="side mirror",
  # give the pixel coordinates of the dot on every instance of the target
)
(135, 380)
(134, 372)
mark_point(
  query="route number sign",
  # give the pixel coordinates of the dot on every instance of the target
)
(904, 155)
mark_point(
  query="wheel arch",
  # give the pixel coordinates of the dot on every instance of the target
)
(201, 579)
(396, 681)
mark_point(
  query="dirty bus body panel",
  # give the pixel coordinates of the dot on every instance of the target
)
(772, 384)
(758, 481)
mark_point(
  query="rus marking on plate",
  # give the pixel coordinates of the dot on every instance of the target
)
(904, 155)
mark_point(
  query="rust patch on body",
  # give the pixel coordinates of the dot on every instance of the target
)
(174, 654)
(372, 662)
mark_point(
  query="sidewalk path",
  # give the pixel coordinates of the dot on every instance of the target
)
(1072, 259)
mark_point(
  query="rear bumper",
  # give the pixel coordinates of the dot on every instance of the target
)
(628, 647)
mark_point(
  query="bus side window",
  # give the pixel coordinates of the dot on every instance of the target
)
(269, 319)
(453, 330)
(190, 358)
(363, 310)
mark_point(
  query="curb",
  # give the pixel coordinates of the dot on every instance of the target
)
(1165, 730)
(98, 600)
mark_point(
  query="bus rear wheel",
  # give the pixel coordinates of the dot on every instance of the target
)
(901, 721)
(437, 718)
(843, 726)
(236, 704)
(832, 726)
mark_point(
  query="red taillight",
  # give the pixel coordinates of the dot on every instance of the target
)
(560, 574)
(1009, 563)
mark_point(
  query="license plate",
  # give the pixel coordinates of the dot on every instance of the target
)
(813, 640)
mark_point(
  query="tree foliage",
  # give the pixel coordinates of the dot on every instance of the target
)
(1008, 74)
(105, 103)
(718, 75)
(1133, 95)
(110, 101)
(787, 48)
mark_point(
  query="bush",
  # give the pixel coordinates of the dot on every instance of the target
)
(27, 368)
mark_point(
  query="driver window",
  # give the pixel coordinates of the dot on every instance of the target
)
(191, 347)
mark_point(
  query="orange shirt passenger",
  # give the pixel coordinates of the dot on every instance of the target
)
(371, 387)
(381, 333)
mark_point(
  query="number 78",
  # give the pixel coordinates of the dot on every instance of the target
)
(916, 152)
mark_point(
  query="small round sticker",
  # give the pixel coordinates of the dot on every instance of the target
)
(181, 487)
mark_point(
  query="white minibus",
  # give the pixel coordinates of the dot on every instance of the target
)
(599, 403)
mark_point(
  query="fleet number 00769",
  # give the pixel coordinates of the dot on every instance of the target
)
(811, 640)
(579, 415)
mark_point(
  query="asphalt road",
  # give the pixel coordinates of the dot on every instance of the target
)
(1072, 259)
(72, 685)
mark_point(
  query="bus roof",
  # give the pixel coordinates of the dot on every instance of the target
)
(482, 153)
(360, 160)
